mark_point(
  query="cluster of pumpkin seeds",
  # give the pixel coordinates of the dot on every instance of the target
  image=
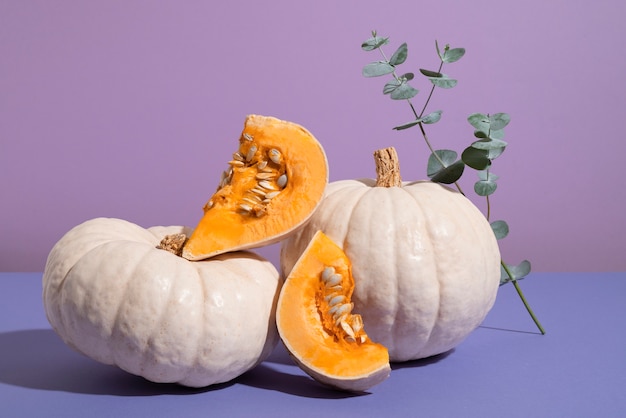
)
(271, 176)
(339, 309)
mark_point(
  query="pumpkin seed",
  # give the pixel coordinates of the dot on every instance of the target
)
(247, 136)
(333, 280)
(282, 181)
(250, 201)
(267, 185)
(245, 208)
(271, 195)
(336, 300)
(258, 191)
(348, 329)
(327, 272)
(236, 163)
(275, 156)
(250, 154)
(262, 164)
(265, 176)
(356, 322)
(237, 156)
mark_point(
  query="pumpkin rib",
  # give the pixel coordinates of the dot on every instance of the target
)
(118, 314)
(435, 263)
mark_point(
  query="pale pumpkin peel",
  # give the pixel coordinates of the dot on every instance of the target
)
(275, 181)
(317, 325)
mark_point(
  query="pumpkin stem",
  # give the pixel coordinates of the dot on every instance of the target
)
(387, 168)
(173, 243)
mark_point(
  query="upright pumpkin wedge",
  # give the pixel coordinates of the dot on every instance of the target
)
(317, 326)
(275, 181)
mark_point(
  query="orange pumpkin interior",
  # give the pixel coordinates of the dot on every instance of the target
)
(317, 325)
(273, 184)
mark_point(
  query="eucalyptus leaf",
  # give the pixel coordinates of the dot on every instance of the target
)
(476, 158)
(432, 117)
(407, 76)
(406, 125)
(489, 144)
(400, 55)
(449, 174)
(390, 86)
(403, 91)
(487, 175)
(429, 73)
(479, 121)
(446, 156)
(444, 81)
(485, 188)
(378, 68)
(495, 153)
(374, 43)
(496, 134)
(453, 55)
(500, 229)
(518, 272)
(498, 121)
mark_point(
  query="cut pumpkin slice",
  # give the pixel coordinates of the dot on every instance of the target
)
(273, 184)
(317, 325)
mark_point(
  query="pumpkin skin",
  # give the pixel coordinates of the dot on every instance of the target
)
(318, 327)
(276, 180)
(109, 293)
(425, 261)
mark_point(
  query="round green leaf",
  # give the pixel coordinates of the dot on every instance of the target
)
(400, 55)
(489, 144)
(432, 117)
(444, 81)
(498, 121)
(449, 174)
(378, 68)
(500, 229)
(479, 121)
(487, 175)
(447, 156)
(403, 91)
(429, 73)
(391, 86)
(478, 159)
(453, 55)
(485, 188)
(373, 43)
(518, 272)
(406, 125)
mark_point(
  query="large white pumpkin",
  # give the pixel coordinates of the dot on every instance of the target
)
(426, 263)
(112, 295)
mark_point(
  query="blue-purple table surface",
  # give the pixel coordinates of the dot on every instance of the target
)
(505, 368)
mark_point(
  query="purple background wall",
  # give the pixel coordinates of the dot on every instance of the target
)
(131, 109)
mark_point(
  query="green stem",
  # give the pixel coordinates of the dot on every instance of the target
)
(522, 297)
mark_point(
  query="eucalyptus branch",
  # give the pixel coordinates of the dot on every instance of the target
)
(443, 165)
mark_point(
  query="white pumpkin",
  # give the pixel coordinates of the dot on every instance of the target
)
(112, 295)
(425, 261)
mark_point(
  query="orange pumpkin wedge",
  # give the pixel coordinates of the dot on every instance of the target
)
(317, 326)
(273, 184)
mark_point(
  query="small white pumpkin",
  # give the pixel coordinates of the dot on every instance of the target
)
(425, 261)
(109, 293)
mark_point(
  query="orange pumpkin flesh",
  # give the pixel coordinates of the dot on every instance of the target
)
(275, 181)
(330, 346)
